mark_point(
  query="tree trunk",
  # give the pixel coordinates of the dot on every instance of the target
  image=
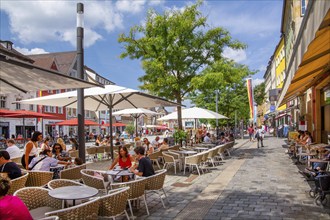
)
(179, 101)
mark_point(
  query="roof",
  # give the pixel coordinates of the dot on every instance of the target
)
(64, 60)
(14, 53)
(46, 63)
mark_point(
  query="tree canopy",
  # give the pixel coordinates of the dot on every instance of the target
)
(228, 78)
(174, 47)
(259, 93)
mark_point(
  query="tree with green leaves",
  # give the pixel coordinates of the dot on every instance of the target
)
(259, 93)
(174, 47)
(228, 78)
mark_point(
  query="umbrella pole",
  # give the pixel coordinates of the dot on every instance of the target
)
(136, 132)
(110, 122)
(24, 132)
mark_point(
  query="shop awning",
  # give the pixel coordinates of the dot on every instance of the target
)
(315, 64)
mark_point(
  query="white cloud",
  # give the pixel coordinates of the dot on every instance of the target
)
(236, 55)
(257, 81)
(27, 51)
(44, 21)
(130, 6)
(156, 2)
(262, 68)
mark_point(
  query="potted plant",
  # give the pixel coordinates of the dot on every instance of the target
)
(179, 136)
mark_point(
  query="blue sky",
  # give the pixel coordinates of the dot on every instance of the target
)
(50, 26)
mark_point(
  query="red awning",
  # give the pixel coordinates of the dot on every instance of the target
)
(24, 114)
(74, 122)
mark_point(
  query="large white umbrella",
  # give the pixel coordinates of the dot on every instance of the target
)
(18, 76)
(193, 113)
(108, 98)
(135, 113)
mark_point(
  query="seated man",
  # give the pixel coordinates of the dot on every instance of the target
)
(43, 163)
(9, 167)
(145, 167)
(164, 145)
(207, 138)
(12, 149)
(155, 143)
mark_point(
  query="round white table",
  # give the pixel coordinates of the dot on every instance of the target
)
(73, 193)
(121, 173)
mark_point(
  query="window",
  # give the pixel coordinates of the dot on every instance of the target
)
(31, 107)
(3, 101)
(60, 110)
(18, 105)
(69, 110)
(74, 112)
(58, 91)
(50, 91)
(52, 109)
(303, 7)
(46, 108)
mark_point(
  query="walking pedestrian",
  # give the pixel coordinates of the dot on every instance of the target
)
(260, 136)
(250, 130)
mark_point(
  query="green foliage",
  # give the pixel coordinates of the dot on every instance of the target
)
(173, 48)
(259, 93)
(179, 136)
(228, 78)
(130, 129)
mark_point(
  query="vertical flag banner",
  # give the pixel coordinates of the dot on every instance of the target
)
(250, 96)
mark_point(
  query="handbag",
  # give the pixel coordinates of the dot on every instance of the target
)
(257, 135)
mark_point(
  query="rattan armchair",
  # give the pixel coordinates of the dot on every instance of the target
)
(74, 153)
(72, 173)
(155, 183)
(91, 151)
(18, 183)
(194, 160)
(16, 159)
(170, 160)
(136, 191)
(96, 182)
(114, 204)
(155, 156)
(39, 178)
(87, 210)
(38, 201)
(53, 184)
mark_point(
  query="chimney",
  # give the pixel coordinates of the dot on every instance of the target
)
(7, 44)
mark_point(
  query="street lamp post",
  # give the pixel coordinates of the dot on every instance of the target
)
(80, 71)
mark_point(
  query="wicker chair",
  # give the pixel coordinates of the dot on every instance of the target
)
(155, 156)
(87, 210)
(114, 204)
(57, 183)
(39, 178)
(18, 183)
(170, 160)
(136, 191)
(91, 151)
(205, 155)
(16, 159)
(175, 147)
(96, 182)
(72, 173)
(74, 153)
(38, 201)
(155, 183)
(212, 153)
(194, 160)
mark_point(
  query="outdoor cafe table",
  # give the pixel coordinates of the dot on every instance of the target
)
(120, 173)
(200, 149)
(73, 193)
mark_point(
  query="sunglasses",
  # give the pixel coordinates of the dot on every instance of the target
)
(57, 148)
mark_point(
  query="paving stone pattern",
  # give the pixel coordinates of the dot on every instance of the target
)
(252, 184)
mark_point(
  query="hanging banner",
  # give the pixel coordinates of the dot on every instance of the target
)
(250, 96)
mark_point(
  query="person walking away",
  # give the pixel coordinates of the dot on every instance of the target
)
(250, 131)
(260, 136)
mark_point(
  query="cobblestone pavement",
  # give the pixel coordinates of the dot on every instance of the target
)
(251, 184)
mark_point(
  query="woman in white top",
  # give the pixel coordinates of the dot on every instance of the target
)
(31, 149)
(45, 145)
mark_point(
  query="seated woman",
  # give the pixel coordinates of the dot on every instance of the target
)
(60, 154)
(164, 146)
(124, 159)
(117, 142)
(45, 144)
(149, 149)
(74, 144)
(61, 142)
(98, 140)
(44, 162)
(11, 207)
